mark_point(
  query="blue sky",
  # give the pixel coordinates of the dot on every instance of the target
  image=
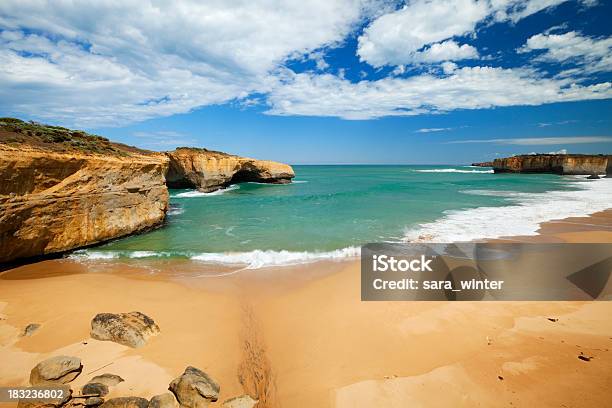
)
(342, 81)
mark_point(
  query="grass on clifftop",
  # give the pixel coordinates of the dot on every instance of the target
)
(16, 132)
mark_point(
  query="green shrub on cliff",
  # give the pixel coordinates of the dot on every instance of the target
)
(15, 131)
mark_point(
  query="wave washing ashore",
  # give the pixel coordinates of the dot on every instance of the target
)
(329, 211)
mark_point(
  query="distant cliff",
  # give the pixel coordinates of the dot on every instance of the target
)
(569, 164)
(62, 189)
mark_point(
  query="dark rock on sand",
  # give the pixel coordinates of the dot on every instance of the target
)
(165, 400)
(243, 401)
(95, 388)
(130, 329)
(125, 402)
(56, 370)
(94, 401)
(30, 329)
(107, 379)
(593, 177)
(194, 389)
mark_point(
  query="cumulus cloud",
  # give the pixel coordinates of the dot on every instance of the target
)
(398, 38)
(119, 61)
(394, 38)
(465, 88)
(593, 54)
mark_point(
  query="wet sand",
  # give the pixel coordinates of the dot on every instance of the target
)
(300, 336)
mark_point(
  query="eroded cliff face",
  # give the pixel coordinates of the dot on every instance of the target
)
(52, 202)
(208, 171)
(553, 163)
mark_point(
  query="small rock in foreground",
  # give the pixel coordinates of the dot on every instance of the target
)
(194, 388)
(30, 329)
(131, 329)
(243, 401)
(93, 401)
(56, 370)
(165, 400)
(107, 379)
(95, 388)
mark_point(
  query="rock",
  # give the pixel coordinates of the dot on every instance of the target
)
(94, 401)
(30, 329)
(194, 389)
(209, 171)
(95, 388)
(107, 379)
(577, 164)
(130, 329)
(56, 370)
(125, 402)
(67, 200)
(165, 400)
(593, 177)
(483, 164)
(243, 401)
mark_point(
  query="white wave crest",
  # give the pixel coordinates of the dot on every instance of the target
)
(259, 259)
(196, 193)
(453, 171)
(522, 218)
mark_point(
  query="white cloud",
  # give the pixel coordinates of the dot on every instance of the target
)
(394, 38)
(465, 88)
(114, 62)
(594, 55)
(429, 130)
(541, 141)
(446, 51)
(397, 38)
(120, 61)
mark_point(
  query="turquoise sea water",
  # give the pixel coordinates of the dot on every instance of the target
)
(331, 208)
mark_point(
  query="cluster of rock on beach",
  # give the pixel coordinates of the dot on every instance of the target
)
(192, 389)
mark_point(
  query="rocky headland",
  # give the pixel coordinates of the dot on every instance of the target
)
(567, 164)
(62, 189)
(209, 170)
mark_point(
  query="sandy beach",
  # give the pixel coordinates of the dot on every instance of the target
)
(300, 336)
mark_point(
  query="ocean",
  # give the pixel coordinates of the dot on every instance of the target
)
(329, 211)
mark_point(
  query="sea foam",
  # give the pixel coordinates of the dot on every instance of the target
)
(196, 193)
(453, 171)
(259, 259)
(523, 217)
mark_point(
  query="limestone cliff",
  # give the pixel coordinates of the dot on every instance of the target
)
(53, 202)
(208, 170)
(62, 189)
(553, 163)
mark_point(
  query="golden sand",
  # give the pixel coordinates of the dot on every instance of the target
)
(301, 337)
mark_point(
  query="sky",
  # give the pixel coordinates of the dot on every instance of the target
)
(317, 81)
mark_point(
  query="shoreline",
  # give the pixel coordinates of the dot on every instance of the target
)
(301, 336)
